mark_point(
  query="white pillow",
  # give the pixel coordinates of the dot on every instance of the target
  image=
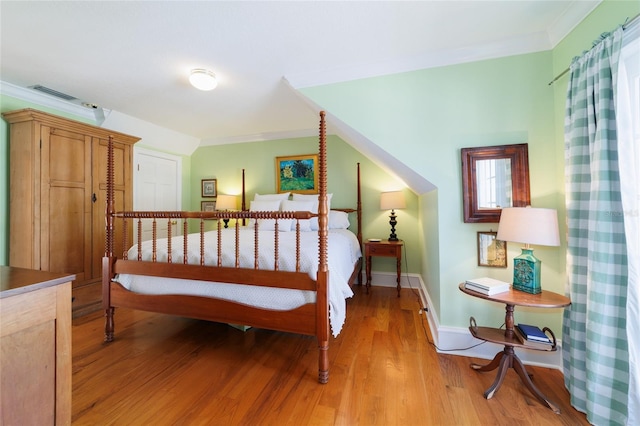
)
(314, 198)
(265, 206)
(298, 206)
(271, 197)
(338, 220)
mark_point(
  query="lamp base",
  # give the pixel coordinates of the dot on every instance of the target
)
(526, 272)
(393, 222)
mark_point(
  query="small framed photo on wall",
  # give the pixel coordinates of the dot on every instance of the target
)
(209, 188)
(491, 251)
(207, 206)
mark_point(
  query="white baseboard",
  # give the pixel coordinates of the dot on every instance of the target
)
(458, 340)
(388, 279)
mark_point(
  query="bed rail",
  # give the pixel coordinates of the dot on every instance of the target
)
(201, 217)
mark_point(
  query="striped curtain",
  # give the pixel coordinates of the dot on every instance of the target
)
(595, 352)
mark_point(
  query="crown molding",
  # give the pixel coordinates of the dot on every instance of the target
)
(260, 137)
(569, 20)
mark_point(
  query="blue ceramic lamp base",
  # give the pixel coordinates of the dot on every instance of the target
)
(526, 272)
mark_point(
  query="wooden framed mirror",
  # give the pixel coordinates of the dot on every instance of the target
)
(494, 177)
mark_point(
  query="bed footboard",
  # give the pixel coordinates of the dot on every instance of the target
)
(308, 318)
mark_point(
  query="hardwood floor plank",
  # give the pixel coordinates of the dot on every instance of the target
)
(165, 370)
(321, 416)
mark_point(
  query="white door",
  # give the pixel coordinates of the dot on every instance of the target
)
(157, 183)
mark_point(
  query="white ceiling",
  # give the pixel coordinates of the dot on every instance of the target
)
(134, 57)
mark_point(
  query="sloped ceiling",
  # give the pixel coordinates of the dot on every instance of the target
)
(135, 57)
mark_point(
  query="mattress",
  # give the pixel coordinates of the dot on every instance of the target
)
(342, 253)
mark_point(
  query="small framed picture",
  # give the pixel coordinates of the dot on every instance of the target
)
(209, 188)
(491, 251)
(297, 173)
(207, 206)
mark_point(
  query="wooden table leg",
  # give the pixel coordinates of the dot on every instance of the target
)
(524, 376)
(368, 271)
(399, 271)
(503, 361)
(491, 366)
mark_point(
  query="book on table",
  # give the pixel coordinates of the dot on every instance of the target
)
(531, 343)
(533, 333)
(487, 286)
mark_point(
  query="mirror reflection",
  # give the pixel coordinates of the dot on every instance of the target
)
(493, 178)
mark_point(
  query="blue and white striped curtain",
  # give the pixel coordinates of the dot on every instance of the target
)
(595, 349)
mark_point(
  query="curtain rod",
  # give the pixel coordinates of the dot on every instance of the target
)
(624, 26)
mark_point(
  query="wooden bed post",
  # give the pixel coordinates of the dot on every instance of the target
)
(244, 202)
(322, 297)
(359, 219)
(108, 259)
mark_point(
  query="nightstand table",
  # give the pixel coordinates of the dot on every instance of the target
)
(507, 358)
(384, 248)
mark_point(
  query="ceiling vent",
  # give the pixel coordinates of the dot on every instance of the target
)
(46, 96)
(52, 92)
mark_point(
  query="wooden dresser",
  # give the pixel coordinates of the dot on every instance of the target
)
(35, 347)
(57, 197)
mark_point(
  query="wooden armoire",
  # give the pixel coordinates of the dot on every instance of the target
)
(57, 197)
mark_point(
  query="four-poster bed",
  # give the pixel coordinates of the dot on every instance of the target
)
(209, 275)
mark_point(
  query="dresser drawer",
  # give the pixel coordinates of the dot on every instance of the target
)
(382, 250)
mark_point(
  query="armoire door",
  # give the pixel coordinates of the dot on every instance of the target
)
(65, 192)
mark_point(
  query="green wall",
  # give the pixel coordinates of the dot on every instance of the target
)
(423, 118)
(225, 163)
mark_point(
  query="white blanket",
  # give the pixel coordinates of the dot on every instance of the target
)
(343, 252)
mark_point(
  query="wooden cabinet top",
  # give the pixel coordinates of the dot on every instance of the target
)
(15, 281)
(30, 114)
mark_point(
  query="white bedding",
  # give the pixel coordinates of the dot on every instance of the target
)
(343, 252)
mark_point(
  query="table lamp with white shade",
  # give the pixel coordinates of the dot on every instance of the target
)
(529, 226)
(226, 203)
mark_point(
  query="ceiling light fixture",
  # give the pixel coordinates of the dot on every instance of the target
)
(203, 79)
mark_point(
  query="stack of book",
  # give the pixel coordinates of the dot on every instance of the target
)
(487, 286)
(532, 336)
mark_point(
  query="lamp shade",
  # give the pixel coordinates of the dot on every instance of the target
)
(203, 79)
(226, 202)
(392, 200)
(529, 226)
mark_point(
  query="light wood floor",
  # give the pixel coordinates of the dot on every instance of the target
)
(164, 370)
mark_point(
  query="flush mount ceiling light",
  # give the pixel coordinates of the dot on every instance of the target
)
(203, 79)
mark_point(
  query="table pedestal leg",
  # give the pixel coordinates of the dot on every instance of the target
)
(522, 372)
(503, 361)
(491, 366)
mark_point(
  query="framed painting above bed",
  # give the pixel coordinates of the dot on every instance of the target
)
(297, 173)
